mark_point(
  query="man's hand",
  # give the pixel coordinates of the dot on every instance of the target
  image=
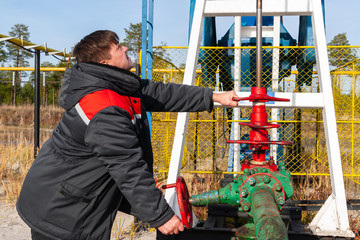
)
(225, 98)
(173, 226)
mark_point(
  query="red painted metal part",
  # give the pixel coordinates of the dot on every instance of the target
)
(184, 204)
(270, 125)
(259, 139)
(259, 94)
(182, 194)
(259, 143)
(250, 165)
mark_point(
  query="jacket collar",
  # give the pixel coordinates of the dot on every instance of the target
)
(85, 78)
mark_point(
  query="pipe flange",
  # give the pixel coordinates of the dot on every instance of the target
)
(260, 181)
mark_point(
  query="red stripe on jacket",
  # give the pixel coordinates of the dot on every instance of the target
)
(94, 102)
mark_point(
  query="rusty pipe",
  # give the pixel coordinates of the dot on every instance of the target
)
(266, 215)
(259, 43)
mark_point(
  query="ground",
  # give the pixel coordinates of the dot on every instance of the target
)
(13, 228)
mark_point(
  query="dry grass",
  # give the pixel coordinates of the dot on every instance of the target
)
(319, 188)
(23, 116)
(15, 161)
(120, 230)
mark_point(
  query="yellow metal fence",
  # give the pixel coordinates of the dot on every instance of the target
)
(206, 150)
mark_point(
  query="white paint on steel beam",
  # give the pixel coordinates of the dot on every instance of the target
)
(237, 82)
(248, 8)
(275, 84)
(52, 53)
(13, 79)
(332, 219)
(32, 46)
(250, 32)
(44, 78)
(6, 38)
(182, 120)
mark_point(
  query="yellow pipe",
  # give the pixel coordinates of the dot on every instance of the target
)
(345, 72)
(353, 116)
(253, 47)
(204, 172)
(42, 69)
(221, 172)
(279, 121)
(172, 71)
(30, 45)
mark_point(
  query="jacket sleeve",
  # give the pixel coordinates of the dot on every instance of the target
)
(171, 97)
(112, 136)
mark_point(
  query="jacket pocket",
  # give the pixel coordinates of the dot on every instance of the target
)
(67, 210)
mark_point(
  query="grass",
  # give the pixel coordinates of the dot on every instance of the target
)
(16, 157)
(15, 161)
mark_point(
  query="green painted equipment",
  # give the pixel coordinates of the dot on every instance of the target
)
(260, 193)
(240, 192)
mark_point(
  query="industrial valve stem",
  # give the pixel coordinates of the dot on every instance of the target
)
(259, 140)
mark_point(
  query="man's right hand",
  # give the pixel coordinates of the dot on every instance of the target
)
(173, 226)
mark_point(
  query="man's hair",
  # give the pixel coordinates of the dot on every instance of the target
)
(95, 46)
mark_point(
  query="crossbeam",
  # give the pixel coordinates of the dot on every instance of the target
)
(297, 100)
(248, 8)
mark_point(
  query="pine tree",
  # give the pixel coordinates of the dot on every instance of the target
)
(132, 40)
(15, 53)
(2, 52)
(18, 54)
(339, 57)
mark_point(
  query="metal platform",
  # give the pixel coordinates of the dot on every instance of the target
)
(225, 222)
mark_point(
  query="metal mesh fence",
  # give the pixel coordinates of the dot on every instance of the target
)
(285, 69)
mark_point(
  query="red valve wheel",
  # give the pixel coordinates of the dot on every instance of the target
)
(183, 201)
(182, 194)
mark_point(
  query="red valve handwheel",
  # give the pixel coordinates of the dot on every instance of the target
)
(183, 201)
(182, 194)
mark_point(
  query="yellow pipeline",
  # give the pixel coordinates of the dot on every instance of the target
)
(247, 47)
(30, 45)
(42, 69)
(224, 172)
(352, 118)
(172, 71)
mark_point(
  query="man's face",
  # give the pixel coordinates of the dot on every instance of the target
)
(119, 57)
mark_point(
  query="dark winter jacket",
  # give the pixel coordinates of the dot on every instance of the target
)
(99, 156)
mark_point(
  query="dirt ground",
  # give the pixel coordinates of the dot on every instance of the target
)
(13, 228)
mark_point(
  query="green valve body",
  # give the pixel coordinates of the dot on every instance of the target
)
(259, 192)
(240, 192)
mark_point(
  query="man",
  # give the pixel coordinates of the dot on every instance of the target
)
(99, 158)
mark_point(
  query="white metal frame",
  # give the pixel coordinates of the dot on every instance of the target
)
(237, 85)
(275, 83)
(332, 219)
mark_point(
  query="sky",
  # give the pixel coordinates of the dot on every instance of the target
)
(61, 24)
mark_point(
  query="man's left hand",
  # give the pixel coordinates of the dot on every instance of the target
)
(225, 99)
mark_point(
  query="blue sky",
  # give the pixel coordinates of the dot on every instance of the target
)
(63, 23)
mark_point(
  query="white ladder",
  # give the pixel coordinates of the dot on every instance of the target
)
(332, 219)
